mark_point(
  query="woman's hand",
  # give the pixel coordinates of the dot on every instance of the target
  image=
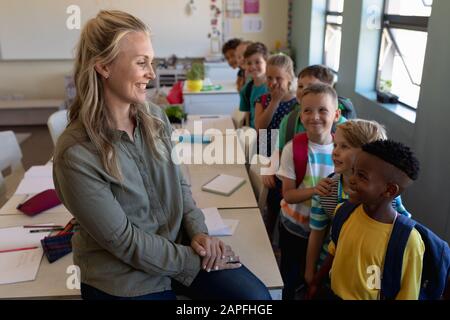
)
(268, 181)
(211, 249)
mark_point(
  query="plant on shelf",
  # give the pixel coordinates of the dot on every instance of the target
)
(195, 76)
(175, 113)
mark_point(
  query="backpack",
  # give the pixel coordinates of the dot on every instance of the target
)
(347, 110)
(300, 155)
(248, 92)
(436, 259)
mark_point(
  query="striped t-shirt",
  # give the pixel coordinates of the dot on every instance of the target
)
(295, 217)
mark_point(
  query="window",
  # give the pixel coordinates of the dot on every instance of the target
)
(333, 34)
(402, 50)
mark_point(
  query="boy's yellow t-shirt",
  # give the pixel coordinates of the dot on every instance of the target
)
(359, 258)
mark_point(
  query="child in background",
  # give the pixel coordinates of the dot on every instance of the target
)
(318, 113)
(229, 52)
(270, 108)
(241, 76)
(381, 172)
(255, 57)
(349, 138)
(308, 76)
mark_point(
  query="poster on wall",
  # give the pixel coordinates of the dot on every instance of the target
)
(251, 24)
(233, 9)
(251, 6)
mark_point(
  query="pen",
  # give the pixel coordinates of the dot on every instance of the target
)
(43, 226)
(209, 117)
(18, 249)
(46, 230)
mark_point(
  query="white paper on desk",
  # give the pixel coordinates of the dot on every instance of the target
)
(34, 185)
(23, 265)
(40, 171)
(217, 226)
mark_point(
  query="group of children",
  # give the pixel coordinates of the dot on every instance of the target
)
(327, 159)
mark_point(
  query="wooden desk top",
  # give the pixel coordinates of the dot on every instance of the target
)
(51, 278)
(250, 242)
(223, 123)
(241, 198)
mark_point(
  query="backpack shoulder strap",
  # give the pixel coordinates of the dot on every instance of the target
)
(342, 214)
(393, 261)
(300, 154)
(290, 125)
(264, 100)
(248, 92)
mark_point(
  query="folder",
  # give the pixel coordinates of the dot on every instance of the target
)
(223, 184)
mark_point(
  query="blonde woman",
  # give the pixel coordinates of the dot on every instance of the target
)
(113, 172)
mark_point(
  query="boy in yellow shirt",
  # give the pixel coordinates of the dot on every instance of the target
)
(382, 171)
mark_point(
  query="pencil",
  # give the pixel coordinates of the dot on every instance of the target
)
(50, 226)
(18, 249)
(46, 230)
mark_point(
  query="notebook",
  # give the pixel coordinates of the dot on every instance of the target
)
(223, 184)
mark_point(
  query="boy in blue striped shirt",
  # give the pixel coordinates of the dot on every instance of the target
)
(319, 112)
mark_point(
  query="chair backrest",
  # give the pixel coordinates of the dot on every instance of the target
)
(248, 139)
(238, 118)
(11, 169)
(56, 123)
(255, 178)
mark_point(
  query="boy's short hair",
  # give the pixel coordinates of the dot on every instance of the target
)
(358, 132)
(256, 47)
(231, 45)
(322, 88)
(396, 154)
(320, 72)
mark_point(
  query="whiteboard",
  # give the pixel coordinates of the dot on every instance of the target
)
(37, 30)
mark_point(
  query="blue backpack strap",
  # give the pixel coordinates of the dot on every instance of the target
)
(342, 214)
(393, 261)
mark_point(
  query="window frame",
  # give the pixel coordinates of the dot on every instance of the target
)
(391, 21)
(335, 14)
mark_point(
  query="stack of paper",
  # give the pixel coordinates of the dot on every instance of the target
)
(20, 264)
(36, 179)
(218, 226)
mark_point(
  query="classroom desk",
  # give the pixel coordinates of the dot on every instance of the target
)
(241, 198)
(223, 149)
(249, 241)
(51, 278)
(10, 207)
(222, 123)
(223, 101)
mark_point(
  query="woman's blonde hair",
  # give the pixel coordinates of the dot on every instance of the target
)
(358, 132)
(99, 43)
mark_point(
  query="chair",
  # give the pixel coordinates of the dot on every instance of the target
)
(11, 169)
(56, 123)
(238, 118)
(248, 138)
(255, 179)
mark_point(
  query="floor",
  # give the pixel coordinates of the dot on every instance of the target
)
(37, 149)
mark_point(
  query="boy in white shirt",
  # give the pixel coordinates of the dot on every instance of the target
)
(319, 112)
